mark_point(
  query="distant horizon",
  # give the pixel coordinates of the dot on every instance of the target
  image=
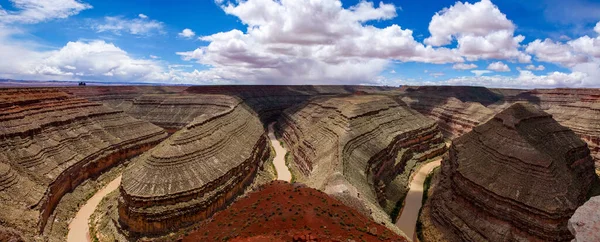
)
(24, 84)
(490, 43)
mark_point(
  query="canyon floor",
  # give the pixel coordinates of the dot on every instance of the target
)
(283, 172)
(79, 226)
(413, 201)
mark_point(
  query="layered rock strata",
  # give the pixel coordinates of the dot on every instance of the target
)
(195, 172)
(360, 147)
(174, 111)
(518, 177)
(270, 101)
(51, 142)
(584, 119)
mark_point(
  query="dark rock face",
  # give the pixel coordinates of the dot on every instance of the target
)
(50, 142)
(194, 173)
(520, 176)
(359, 147)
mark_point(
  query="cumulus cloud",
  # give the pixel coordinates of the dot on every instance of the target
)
(318, 41)
(498, 66)
(187, 33)
(581, 55)
(141, 15)
(136, 26)
(464, 66)
(535, 68)
(526, 79)
(597, 28)
(35, 11)
(481, 30)
(555, 52)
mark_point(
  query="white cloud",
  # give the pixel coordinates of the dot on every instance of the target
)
(481, 30)
(35, 11)
(187, 33)
(154, 57)
(393, 71)
(319, 41)
(498, 66)
(597, 28)
(137, 26)
(464, 66)
(526, 79)
(141, 15)
(480, 72)
(535, 68)
(555, 52)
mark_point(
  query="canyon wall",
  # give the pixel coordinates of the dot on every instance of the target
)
(459, 109)
(194, 173)
(359, 148)
(51, 142)
(541, 173)
(269, 101)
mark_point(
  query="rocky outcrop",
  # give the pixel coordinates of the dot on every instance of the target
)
(519, 176)
(585, 223)
(281, 211)
(194, 173)
(51, 142)
(360, 147)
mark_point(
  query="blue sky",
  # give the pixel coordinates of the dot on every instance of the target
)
(506, 43)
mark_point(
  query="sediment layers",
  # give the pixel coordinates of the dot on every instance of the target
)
(361, 147)
(270, 101)
(519, 176)
(173, 111)
(51, 142)
(453, 116)
(194, 173)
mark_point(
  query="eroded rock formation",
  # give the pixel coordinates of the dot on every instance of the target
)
(194, 173)
(50, 142)
(519, 176)
(359, 147)
(173, 111)
(270, 101)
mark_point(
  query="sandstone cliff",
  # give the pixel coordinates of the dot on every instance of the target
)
(519, 176)
(194, 173)
(359, 148)
(51, 142)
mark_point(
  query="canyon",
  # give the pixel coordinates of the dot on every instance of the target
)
(191, 154)
(360, 149)
(51, 142)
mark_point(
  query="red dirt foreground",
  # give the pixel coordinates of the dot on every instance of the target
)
(281, 211)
